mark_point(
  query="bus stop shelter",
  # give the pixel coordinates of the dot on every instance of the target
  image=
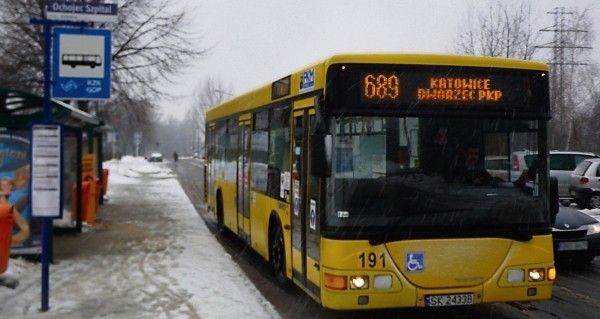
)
(82, 139)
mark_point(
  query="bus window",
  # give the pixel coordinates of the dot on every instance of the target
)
(373, 192)
(260, 149)
(278, 179)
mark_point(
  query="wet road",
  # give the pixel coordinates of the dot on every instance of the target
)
(576, 293)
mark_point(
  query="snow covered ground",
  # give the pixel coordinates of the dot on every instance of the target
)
(149, 256)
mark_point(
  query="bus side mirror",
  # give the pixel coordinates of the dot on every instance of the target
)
(320, 154)
(554, 202)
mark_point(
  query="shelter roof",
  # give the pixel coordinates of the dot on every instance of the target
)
(20, 108)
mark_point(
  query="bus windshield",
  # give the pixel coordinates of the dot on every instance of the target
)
(435, 177)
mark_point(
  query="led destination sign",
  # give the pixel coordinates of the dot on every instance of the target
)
(431, 89)
(390, 87)
(460, 89)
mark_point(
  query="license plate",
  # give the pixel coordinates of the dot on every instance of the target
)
(573, 245)
(448, 300)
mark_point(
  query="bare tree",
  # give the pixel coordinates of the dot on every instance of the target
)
(504, 30)
(128, 122)
(152, 42)
(208, 93)
(590, 137)
(21, 45)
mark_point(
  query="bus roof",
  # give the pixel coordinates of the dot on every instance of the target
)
(262, 95)
(437, 59)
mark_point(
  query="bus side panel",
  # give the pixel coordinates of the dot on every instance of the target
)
(229, 209)
(312, 272)
(261, 207)
(296, 259)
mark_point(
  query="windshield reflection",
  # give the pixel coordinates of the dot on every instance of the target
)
(423, 175)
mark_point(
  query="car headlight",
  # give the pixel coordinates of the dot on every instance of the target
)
(593, 229)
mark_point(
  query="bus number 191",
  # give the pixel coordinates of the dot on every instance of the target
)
(370, 260)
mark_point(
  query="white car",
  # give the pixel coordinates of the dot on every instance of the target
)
(562, 164)
(585, 184)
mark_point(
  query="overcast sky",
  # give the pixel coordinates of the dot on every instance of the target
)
(256, 42)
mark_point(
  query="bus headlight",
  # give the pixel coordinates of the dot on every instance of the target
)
(537, 274)
(359, 282)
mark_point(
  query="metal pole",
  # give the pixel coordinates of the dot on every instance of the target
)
(46, 223)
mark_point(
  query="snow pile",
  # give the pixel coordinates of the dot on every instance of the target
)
(135, 167)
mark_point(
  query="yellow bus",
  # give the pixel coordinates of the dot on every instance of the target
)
(344, 177)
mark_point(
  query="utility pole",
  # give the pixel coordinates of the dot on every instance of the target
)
(563, 40)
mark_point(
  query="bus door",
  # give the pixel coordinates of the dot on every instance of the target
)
(305, 238)
(243, 179)
(209, 166)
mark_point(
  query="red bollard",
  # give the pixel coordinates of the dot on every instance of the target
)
(85, 190)
(6, 228)
(93, 201)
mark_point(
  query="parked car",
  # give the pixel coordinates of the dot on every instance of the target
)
(155, 157)
(562, 164)
(585, 184)
(576, 235)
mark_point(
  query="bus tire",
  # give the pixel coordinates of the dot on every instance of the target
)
(277, 256)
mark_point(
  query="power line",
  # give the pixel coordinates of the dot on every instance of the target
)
(566, 39)
(562, 34)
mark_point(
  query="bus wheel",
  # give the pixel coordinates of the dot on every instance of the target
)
(277, 256)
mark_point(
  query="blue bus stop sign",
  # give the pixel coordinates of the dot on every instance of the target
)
(81, 63)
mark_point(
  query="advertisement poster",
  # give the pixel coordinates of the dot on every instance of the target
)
(15, 188)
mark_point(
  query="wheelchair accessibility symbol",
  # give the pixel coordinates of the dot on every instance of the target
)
(415, 262)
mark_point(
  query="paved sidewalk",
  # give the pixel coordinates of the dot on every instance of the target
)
(148, 256)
